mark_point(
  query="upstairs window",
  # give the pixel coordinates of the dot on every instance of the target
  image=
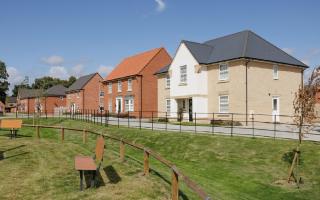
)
(130, 84)
(223, 72)
(275, 72)
(167, 81)
(110, 88)
(183, 74)
(119, 86)
(223, 104)
(101, 94)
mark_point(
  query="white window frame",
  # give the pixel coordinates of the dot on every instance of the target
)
(101, 93)
(129, 84)
(168, 106)
(129, 104)
(275, 72)
(167, 81)
(110, 88)
(183, 74)
(119, 86)
(221, 110)
(223, 74)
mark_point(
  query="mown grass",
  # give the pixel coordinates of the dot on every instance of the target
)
(44, 169)
(226, 167)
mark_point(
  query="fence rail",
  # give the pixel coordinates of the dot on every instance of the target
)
(254, 125)
(176, 173)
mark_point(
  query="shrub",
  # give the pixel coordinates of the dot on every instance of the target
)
(220, 122)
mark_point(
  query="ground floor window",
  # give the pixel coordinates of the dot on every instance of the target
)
(168, 106)
(223, 103)
(110, 105)
(129, 104)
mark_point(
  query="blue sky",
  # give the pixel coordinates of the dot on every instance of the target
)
(76, 37)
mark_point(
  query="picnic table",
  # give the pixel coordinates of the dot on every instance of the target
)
(12, 124)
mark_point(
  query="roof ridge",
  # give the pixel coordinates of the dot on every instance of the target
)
(226, 36)
(277, 47)
(159, 49)
(245, 44)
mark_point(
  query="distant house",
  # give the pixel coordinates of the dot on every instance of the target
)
(2, 108)
(54, 99)
(28, 100)
(11, 104)
(132, 86)
(86, 93)
(238, 73)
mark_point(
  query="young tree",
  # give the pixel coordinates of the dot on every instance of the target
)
(304, 115)
(17, 87)
(4, 84)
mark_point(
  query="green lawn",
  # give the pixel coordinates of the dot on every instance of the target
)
(226, 167)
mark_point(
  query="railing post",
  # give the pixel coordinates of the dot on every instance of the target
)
(166, 121)
(151, 120)
(38, 131)
(174, 185)
(84, 136)
(94, 116)
(118, 119)
(62, 134)
(140, 119)
(274, 127)
(108, 114)
(101, 117)
(180, 122)
(212, 124)
(105, 118)
(195, 122)
(122, 150)
(128, 119)
(231, 128)
(252, 121)
(146, 167)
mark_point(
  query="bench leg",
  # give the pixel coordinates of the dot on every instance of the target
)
(93, 180)
(11, 134)
(81, 180)
(15, 133)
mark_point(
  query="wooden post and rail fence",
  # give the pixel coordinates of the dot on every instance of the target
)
(176, 174)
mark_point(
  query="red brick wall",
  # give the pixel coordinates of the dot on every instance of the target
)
(149, 87)
(51, 103)
(88, 98)
(26, 105)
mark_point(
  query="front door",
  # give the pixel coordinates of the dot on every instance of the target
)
(190, 110)
(275, 109)
(119, 104)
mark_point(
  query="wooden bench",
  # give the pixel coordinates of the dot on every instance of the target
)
(92, 164)
(13, 124)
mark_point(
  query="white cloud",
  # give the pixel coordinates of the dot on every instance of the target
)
(288, 50)
(53, 60)
(77, 70)
(161, 6)
(15, 77)
(58, 72)
(104, 70)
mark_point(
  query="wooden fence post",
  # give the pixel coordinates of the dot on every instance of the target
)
(84, 136)
(146, 167)
(62, 134)
(122, 150)
(38, 131)
(174, 185)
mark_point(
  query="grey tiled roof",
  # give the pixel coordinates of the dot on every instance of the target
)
(57, 90)
(245, 44)
(163, 70)
(80, 82)
(24, 93)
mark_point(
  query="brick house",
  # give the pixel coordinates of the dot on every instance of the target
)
(54, 99)
(11, 104)
(132, 86)
(86, 93)
(27, 100)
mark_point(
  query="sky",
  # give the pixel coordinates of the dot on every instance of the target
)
(61, 38)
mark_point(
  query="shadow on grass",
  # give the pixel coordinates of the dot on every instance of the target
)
(2, 157)
(88, 175)
(112, 174)
(8, 135)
